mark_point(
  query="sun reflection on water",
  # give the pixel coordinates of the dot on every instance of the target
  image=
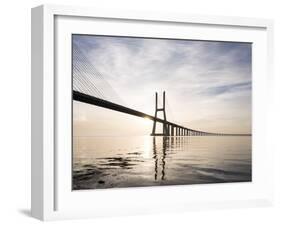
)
(147, 147)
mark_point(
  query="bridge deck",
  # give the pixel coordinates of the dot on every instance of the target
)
(82, 97)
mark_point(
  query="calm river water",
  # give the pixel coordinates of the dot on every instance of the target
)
(108, 162)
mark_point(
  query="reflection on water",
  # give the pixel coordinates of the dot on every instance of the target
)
(106, 162)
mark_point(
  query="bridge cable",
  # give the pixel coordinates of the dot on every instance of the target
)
(85, 76)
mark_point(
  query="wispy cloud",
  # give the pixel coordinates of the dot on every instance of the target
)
(208, 84)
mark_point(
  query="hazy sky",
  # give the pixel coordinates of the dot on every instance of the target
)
(207, 84)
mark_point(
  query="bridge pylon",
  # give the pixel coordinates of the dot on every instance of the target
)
(166, 131)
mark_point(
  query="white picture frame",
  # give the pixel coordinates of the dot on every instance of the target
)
(52, 197)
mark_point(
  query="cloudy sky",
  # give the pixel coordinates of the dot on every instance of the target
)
(207, 84)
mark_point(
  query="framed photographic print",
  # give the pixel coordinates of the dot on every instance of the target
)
(137, 112)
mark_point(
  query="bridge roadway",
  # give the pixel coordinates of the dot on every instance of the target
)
(174, 128)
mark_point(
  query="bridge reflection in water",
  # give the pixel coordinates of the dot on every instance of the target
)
(114, 162)
(168, 144)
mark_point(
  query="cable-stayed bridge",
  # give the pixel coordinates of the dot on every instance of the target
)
(89, 86)
(169, 128)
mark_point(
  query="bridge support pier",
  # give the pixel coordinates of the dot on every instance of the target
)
(168, 129)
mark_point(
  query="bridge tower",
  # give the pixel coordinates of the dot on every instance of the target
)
(165, 124)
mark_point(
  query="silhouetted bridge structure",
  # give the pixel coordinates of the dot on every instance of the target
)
(89, 86)
(169, 128)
